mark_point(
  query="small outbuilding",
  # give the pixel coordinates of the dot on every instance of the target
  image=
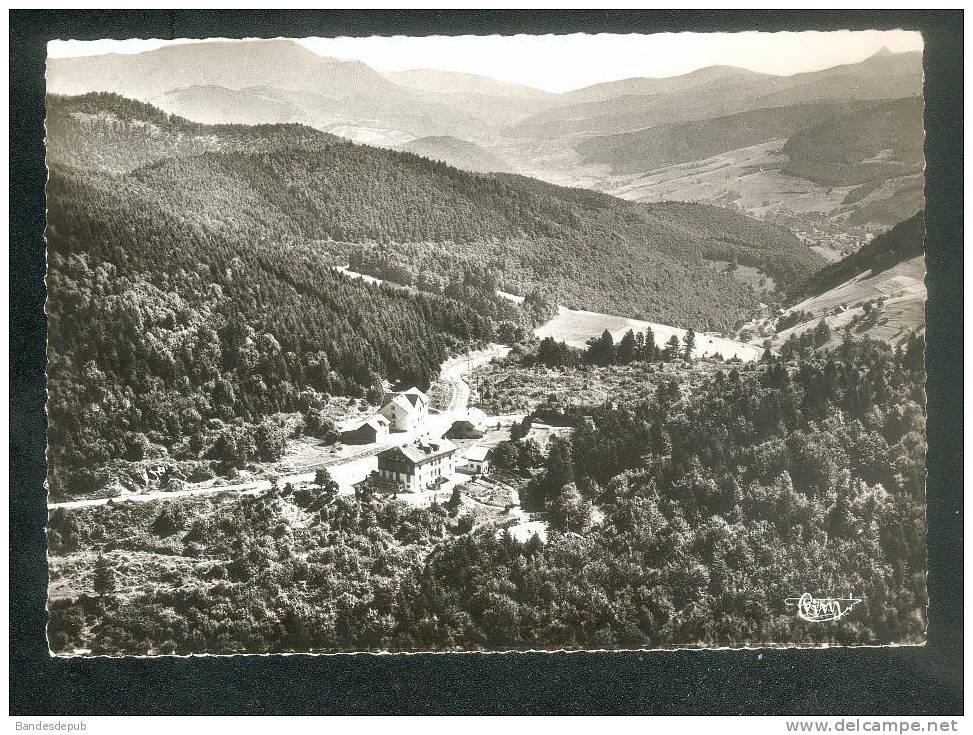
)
(374, 430)
(476, 460)
(463, 430)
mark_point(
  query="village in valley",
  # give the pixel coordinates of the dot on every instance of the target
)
(407, 451)
(307, 393)
(421, 454)
(423, 448)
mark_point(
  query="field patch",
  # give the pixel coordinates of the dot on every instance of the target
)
(575, 328)
(903, 311)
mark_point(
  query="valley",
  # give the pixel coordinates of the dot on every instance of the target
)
(878, 292)
(347, 464)
(343, 359)
(833, 220)
(897, 296)
(838, 148)
(565, 264)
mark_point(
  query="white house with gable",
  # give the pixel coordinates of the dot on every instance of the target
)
(406, 411)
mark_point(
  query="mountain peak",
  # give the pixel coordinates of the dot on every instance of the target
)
(884, 51)
(275, 63)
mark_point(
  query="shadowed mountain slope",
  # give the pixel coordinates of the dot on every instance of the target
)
(458, 153)
(289, 183)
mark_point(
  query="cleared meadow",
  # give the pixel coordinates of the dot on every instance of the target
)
(902, 285)
(576, 327)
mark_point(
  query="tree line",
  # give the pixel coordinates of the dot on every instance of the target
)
(602, 351)
(290, 183)
(685, 517)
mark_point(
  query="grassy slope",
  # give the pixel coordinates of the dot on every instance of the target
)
(902, 242)
(887, 274)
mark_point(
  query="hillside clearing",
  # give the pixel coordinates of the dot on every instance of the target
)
(902, 286)
(577, 327)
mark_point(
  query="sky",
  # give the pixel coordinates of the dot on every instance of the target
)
(562, 63)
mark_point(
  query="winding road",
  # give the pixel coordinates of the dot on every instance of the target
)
(345, 470)
(454, 372)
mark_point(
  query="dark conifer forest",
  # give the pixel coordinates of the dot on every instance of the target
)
(194, 301)
(173, 332)
(191, 286)
(682, 517)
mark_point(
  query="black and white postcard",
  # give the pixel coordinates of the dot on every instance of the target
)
(486, 343)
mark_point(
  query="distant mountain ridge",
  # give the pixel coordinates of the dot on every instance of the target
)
(283, 183)
(645, 86)
(437, 80)
(593, 137)
(279, 64)
(463, 103)
(280, 80)
(878, 77)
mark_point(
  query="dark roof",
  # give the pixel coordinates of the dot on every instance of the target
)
(413, 395)
(375, 422)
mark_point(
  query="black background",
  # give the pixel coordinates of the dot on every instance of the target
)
(809, 682)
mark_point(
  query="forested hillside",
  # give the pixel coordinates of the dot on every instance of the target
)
(192, 290)
(688, 516)
(590, 250)
(869, 144)
(663, 145)
(902, 242)
(175, 331)
(109, 133)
